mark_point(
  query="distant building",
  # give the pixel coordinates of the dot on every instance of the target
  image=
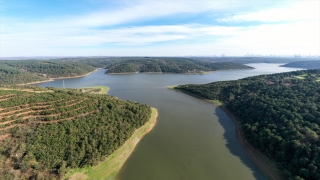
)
(223, 55)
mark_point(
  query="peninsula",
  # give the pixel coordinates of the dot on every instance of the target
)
(46, 132)
(278, 115)
(170, 65)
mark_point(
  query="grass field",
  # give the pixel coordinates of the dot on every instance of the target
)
(217, 102)
(171, 87)
(303, 76)
(103, 89)
(93, 89)
(111, 166)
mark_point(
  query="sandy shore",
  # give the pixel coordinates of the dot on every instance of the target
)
(111, 166)
(260, 160)
(52, 79)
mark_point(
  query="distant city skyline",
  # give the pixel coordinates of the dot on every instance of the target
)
(159, 28)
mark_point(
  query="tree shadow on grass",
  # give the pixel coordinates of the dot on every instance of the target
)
(233, 145)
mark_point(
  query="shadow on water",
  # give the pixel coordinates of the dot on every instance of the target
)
(233, 144)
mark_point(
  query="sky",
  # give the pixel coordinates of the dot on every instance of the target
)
(159, 27)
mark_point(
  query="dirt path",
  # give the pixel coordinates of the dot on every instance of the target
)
(7, 122)
(70, 118)
(9, 127)
(3, 137)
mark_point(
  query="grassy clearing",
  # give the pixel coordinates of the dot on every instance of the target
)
(96, 89)
(111, 166)
(103, 89)
(217, 102)
(303, 76)
(171, 87)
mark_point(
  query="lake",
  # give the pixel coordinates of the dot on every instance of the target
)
(192, 139)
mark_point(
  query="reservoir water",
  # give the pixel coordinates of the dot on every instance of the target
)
(192, 139)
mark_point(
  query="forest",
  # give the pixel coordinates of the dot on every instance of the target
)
(11, 75)
(27, 71)
(51, 68)
(170, 65)
(279, 114)
(44, 132)
(304, 64)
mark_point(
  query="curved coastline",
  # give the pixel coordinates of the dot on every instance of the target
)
(52, 79)
(186, 73)
(109, 168)
(263, 163)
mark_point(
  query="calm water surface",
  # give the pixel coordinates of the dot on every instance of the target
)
(192, 139)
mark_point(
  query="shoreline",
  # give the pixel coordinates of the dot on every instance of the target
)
(259, 160)
(52, 79)
(185, 73)
(111, 166)
(255, 155)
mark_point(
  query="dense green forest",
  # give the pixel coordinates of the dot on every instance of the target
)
(304, 64)
(45, 132)
(11, 75)
(26, 71)
(170, 65)
(52, 68)
(279, 114)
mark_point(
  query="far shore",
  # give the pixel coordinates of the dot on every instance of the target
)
(52, 79)
(261, 161)
(186, 73)
(109, 168)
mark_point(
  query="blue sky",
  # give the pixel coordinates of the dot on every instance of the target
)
(158, 28)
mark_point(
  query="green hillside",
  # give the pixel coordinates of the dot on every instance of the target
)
(46, 132)
(304, 64)
(170, 65)
(11, 75)
(279, 114)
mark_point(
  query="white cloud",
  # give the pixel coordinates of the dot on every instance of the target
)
(301, 10)
(298, 37)
(145, 10)
(40, 36)
(291, 38)
(73, 35)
